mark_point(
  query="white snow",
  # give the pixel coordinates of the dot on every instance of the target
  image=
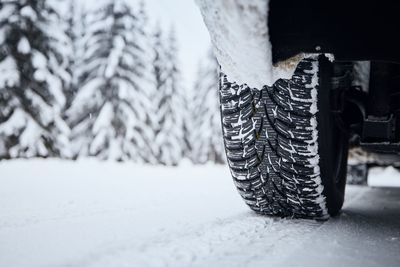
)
(6, 11)
(39, 60)
(115, 56)
(90, 213)
(388, 177)
(14, 124)
(23, 46)
(239, 33)
(28, 12)
(73, 211)
(9, 73)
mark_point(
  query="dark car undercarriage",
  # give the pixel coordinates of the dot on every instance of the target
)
(351, 31)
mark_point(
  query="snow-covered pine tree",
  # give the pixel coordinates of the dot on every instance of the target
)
(169, 135)
(109, 116)
(159, 72)
(148, 125)
(187, 123)
(32, 76)
(62, 47)
(206, 135)
(75, 31)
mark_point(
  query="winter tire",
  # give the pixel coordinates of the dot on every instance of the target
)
(286, 153)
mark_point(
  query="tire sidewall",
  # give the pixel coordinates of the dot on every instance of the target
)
(332, 143)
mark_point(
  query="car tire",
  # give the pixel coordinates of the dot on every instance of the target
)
(286, 153)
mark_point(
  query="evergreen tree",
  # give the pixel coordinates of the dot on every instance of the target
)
(160, 75)
(187, 123)
(32, 76)
(75, 32)
(206, 135)
(170, 101)
(109, 116)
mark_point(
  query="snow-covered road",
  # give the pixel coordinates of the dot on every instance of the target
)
(55, 213)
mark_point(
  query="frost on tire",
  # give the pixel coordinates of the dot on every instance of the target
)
(271, 142)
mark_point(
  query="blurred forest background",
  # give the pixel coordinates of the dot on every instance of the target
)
(102, 82)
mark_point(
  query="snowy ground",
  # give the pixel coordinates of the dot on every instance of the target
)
(55, 213)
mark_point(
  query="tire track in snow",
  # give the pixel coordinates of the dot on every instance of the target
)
(238, 241)
(367, 233)
(243, 240)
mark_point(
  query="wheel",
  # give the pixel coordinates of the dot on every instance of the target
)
(284, 147)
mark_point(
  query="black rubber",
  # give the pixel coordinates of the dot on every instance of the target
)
(286, 156)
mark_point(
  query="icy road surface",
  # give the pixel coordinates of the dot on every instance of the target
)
(55, 213)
